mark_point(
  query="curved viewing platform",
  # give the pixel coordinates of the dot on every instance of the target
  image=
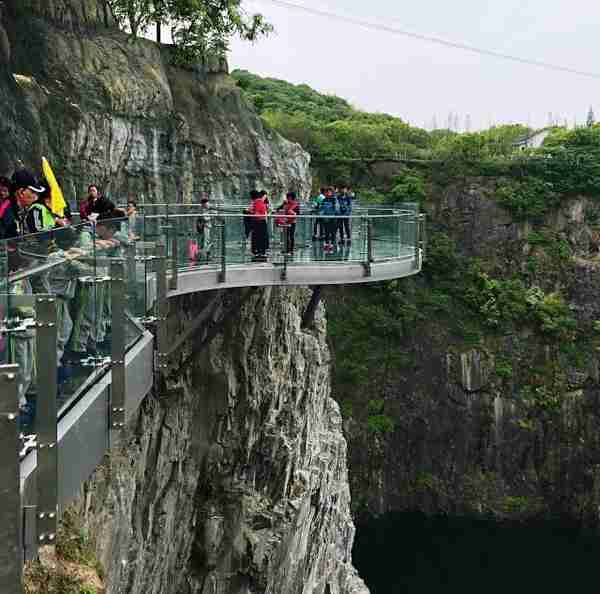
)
(84, 324)
(384, 243)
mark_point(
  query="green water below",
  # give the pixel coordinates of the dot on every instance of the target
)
(411, 553)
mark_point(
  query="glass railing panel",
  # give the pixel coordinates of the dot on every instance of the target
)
(328, 239)
(195, 239)
(393, 236)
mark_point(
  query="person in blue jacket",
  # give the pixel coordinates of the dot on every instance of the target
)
(329, 211)
(344, 225)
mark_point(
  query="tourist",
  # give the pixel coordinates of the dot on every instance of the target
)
(4, 194)
(330, 212)
(95, 204)
(291, 209)
(24, 192)
(318, 227)
(263, 194)
(132, 220)
(260, 231)
(344, 226)
(40, 216)
(203, 228)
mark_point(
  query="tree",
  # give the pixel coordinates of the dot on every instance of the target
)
(590, 117)
(204, 27)
(199, 28)
(137, 15)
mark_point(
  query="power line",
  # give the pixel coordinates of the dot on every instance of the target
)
(432, 39)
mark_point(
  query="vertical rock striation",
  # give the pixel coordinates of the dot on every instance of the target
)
(235, 479)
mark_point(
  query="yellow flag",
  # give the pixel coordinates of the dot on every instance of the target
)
(57, 204)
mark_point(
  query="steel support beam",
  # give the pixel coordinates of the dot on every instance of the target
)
(11, 550)
(118, 345)
(46, 421)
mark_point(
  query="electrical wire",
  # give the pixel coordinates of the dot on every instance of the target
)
(432, 39)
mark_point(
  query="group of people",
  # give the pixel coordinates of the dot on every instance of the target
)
(35, 235)
(256, 227)
(333, 208)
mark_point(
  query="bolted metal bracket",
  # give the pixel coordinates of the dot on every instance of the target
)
(96, 362)
(11, 554)
(46, 425)
(117, 413)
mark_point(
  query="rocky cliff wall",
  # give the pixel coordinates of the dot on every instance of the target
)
(486, 399)
(113, 112)
(234, 480)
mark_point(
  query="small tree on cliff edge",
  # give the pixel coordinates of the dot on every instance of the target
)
(199, 28)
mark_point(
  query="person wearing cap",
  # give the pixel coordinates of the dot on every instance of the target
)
(24, 192)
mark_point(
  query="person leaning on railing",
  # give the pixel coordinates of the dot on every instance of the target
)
(92, 311)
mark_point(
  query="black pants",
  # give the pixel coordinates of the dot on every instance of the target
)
(330, 230)
(344, 227)
(247, 225)
(260, 237)
(318, 228)
(290, 237)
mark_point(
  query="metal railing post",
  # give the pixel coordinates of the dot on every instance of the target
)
(11, 550)
(286, 248)
(46, 421)
(369, 234)
(118, 346)
(223, 272)
(162, 307)
(131, 268)
(423, 237)
(417, 225)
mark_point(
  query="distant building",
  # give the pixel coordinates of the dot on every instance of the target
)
(533, 140)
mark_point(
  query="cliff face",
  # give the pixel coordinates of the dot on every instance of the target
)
(491, 401)
(234, 480)
(109, 111)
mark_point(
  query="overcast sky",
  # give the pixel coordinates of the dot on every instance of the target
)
(416, 80)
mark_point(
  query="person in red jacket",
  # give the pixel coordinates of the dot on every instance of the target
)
(291, 208)
(260, 232)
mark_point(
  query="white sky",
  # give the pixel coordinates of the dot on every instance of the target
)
(416, 80)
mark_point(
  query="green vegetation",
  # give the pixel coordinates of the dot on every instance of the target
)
(199, 28)
(404, 348)
(75, 570)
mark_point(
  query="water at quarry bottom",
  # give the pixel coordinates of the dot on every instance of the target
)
(406, 552)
